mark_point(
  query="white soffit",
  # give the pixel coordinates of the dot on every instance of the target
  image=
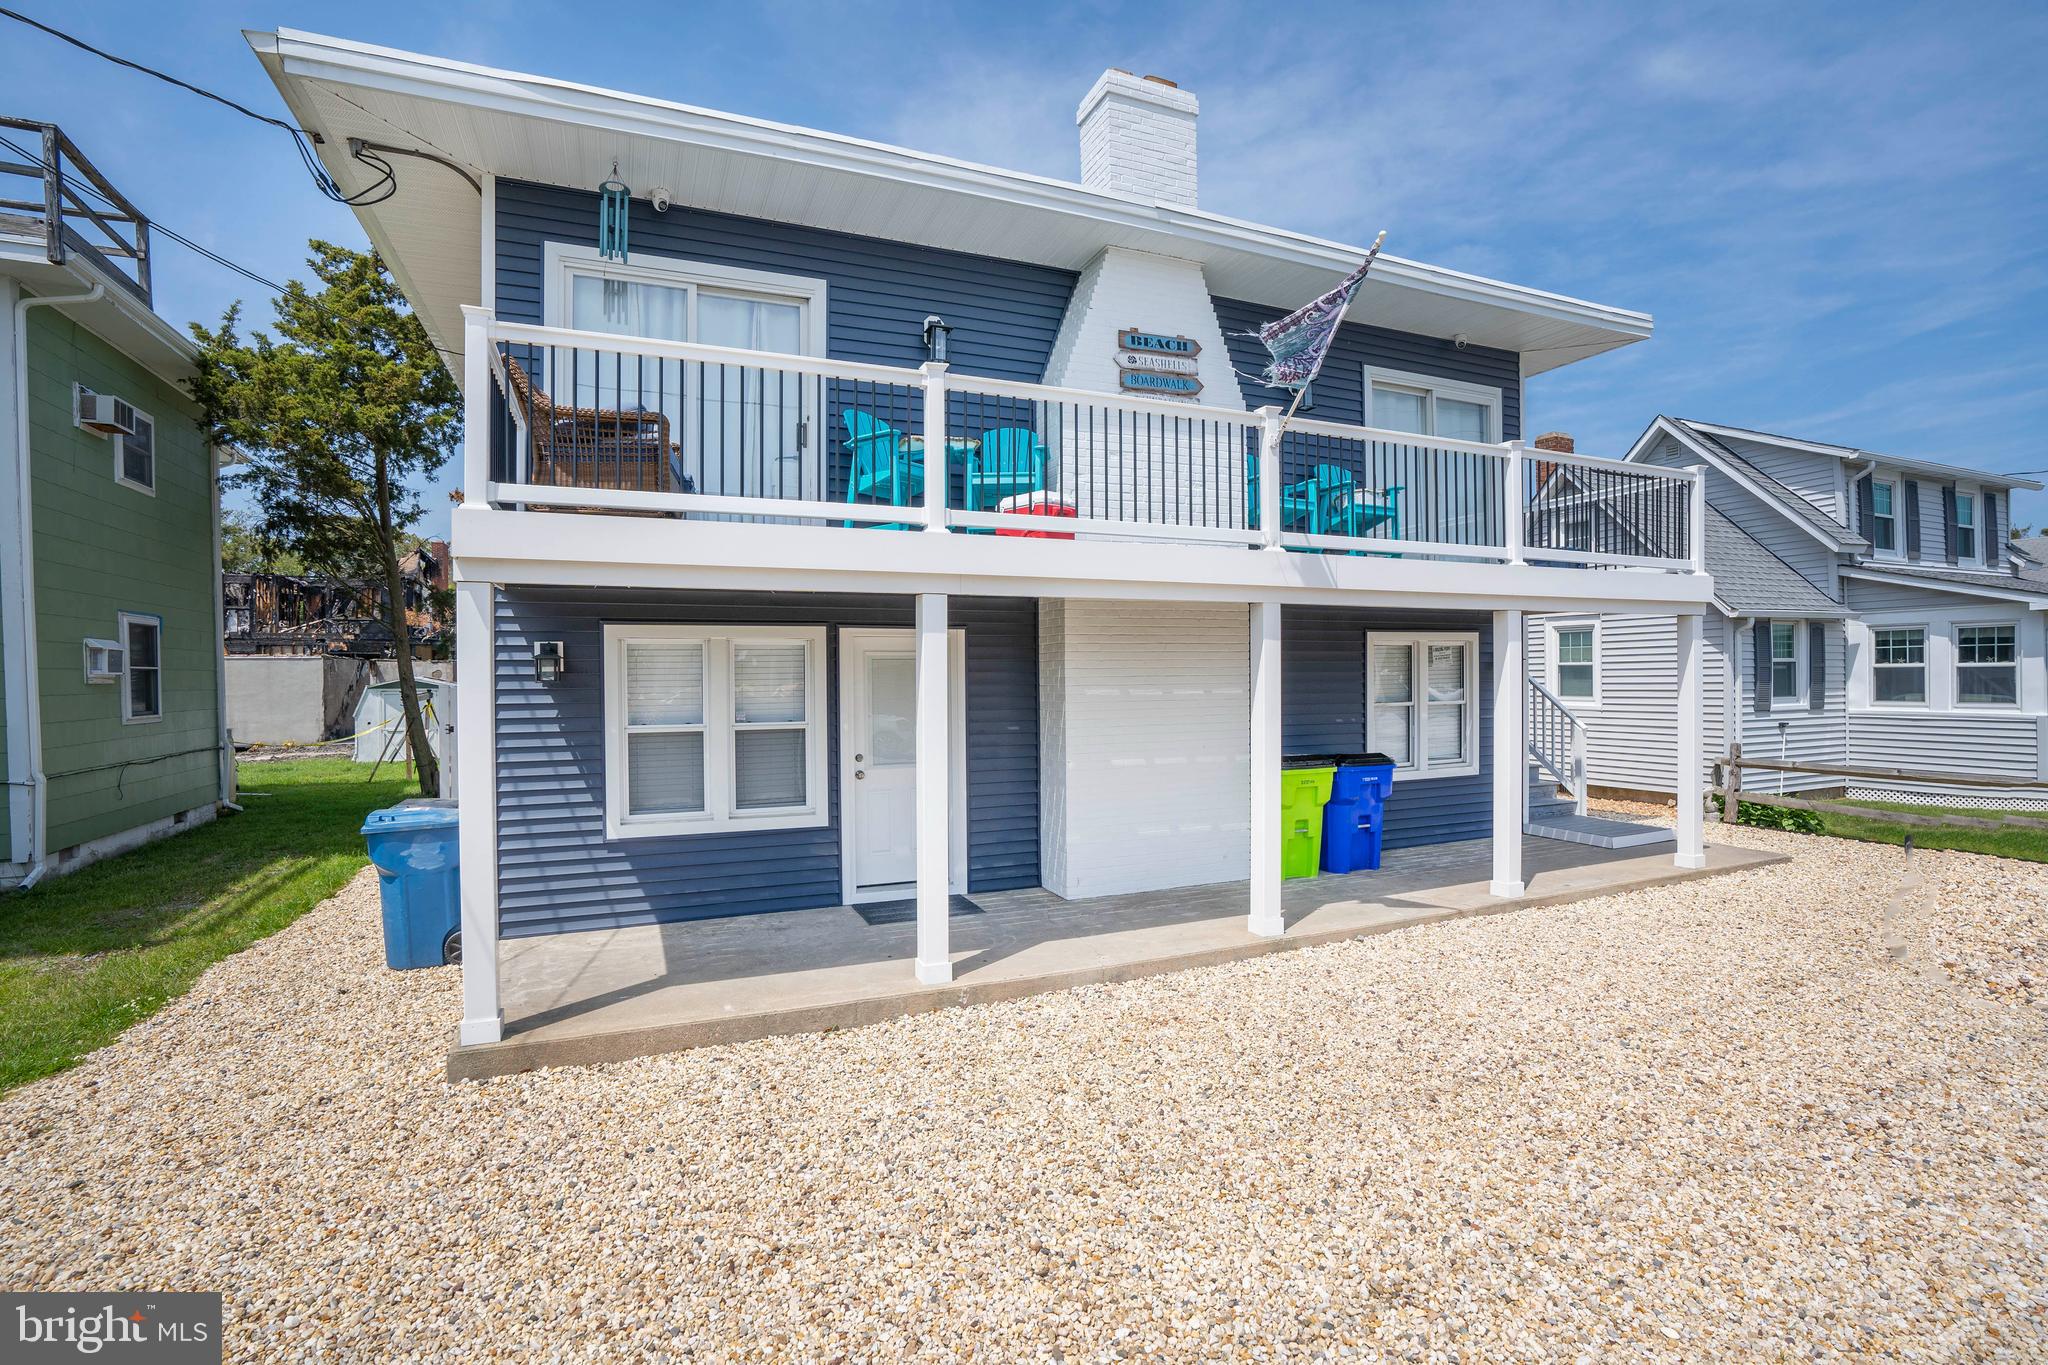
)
(553, 132)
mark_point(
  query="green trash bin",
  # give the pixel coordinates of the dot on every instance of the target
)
(1304, 786)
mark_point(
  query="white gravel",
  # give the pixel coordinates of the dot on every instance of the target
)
(1756, 1116)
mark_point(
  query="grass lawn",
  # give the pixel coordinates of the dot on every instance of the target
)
(84, 956)
(2028, 840)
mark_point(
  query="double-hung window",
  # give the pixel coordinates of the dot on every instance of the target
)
(1898, 665)
(1785, 661)
(713, 728)
(1423, 713)
(142, 681)
(1884, 516)
(1987, 667)
(1428, 406)
(1574, 649)
(1966, 526)
(135, 455)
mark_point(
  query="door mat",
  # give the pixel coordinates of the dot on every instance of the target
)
(905, 911)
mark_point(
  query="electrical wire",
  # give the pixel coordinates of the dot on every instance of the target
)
(375, 193)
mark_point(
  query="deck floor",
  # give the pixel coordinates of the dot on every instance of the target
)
(607, 995)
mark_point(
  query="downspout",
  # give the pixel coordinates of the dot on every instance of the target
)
(24, 578)
(220, 651)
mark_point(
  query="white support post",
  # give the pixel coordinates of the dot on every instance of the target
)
(476, 404)
(1697, 511)
(937, 461)
(476, 722)
(1512, 508)
(1268, 510)
(1691, 846)
(1510, 753)
(934, 801)
(1267, 920)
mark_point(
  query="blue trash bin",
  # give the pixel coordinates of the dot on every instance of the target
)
(1352, 819)
(419, 873)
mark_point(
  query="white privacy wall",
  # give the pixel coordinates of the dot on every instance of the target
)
(1145, 745)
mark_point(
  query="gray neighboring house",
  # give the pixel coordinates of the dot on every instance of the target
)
(1868, 609)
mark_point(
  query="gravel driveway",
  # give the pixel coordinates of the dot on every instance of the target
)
(1716, 1119)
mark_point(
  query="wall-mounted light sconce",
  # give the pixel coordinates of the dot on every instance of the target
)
(549, 661)
(936, 331)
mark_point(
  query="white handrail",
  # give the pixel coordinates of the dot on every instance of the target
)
(1569, 769)
(568, 339)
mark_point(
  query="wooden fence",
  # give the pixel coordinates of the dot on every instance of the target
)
(1729, 784)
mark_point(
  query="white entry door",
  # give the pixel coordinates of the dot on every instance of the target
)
(878, 763)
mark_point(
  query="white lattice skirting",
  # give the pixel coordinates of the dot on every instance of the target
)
(2015, 800)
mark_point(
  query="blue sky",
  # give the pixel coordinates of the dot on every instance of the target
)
(1837, 214)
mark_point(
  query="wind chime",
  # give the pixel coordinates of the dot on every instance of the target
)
(614, 212)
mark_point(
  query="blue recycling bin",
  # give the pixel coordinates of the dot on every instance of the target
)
(1357, 806)
(419, 874)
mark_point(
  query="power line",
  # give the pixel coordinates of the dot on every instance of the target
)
(376, 193)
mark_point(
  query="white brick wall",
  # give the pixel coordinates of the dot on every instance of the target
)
(1145, 745)
(1138, 138)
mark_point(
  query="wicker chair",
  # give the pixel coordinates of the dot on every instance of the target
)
(613, 449)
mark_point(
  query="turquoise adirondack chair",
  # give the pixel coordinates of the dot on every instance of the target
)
(882, 469)
(1011, 461)
(1319, 504)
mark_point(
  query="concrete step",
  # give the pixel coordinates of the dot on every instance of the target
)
(1598, 831)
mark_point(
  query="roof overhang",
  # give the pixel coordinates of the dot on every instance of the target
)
(117, 317)
(533, 128)
(2031, 600)
(1902, 463)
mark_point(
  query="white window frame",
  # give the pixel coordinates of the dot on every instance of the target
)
(719, 814)
(1551, 660)
(1432, 388)
(120, 447)
(1926, 667)
(1802, 667)
(565, 261)
(1897, 549)
(1956, 665)
(123, 620)
(1975, 525)
(1421, 769)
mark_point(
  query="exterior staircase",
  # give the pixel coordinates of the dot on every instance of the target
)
(1557, 783)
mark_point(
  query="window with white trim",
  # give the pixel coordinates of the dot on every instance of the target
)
(1574, 651)
(1987, 665)
(1966, 525)
(142, 673)
(135, 455)
(1399, 401)
(1884, 517)
(1787, 649)
(713, 728)
(1898, 665)
(1423, 690)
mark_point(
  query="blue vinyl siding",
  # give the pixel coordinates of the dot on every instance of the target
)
(558, 872)
(1340, 391)
(1004, 314)
(1323, 709)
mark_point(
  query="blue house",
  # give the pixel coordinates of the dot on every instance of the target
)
(845, 523)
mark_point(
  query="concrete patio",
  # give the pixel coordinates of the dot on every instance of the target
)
(608, 995)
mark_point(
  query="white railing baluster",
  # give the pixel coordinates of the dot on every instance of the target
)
(937, 462)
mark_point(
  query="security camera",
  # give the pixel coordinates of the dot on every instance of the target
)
(1461, 341)
(660, 198)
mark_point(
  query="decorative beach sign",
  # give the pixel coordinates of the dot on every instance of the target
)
(1150, 362)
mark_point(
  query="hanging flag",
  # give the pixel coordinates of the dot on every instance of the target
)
(1300, 341)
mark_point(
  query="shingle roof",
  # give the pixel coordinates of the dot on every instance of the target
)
(1795, 501)
(1749, 580)
(1969, 578)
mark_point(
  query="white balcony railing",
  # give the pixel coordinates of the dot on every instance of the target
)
(586, 421)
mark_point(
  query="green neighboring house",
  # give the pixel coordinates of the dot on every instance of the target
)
(114, 731)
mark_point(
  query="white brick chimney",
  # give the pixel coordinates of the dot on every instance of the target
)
(1138, 138)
